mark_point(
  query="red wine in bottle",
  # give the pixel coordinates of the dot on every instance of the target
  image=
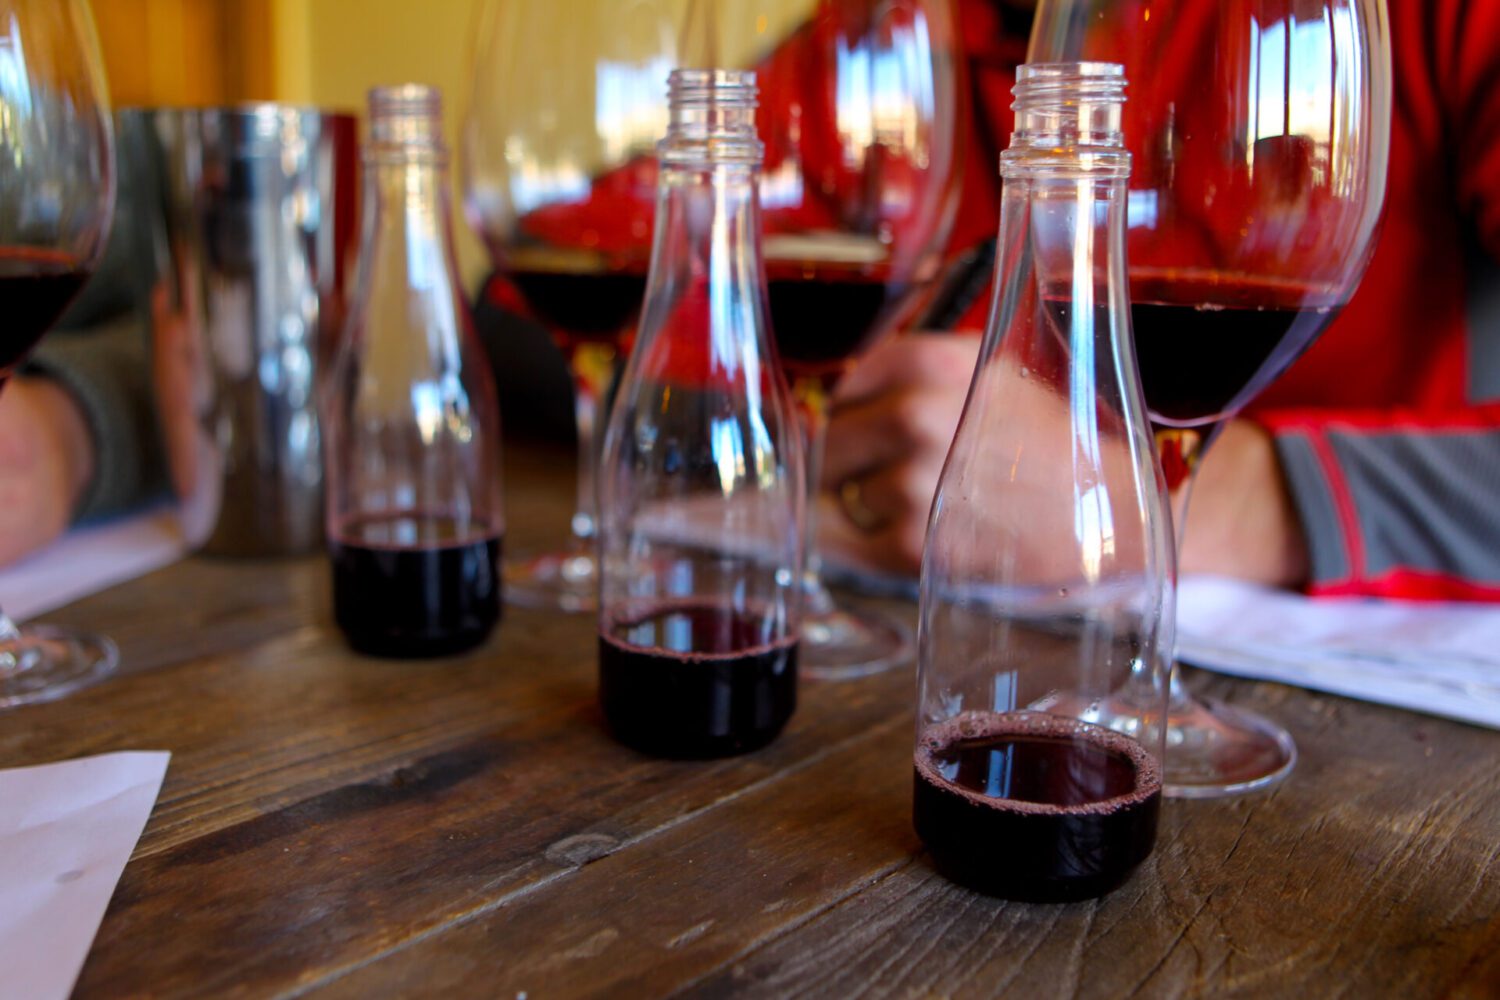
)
(695, 679)
(414, 585)
(1035, 807)
(1209, 344)
(35, 287)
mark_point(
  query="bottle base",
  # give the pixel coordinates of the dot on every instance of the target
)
(387, 646)
(692, 747)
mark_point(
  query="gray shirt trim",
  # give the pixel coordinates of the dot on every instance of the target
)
(1426, 500)
(1327, 555)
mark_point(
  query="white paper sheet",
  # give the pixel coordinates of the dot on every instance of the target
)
(66, 831)
(1436, 657)
(87, 560)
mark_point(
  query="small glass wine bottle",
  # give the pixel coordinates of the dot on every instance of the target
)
(413, 450)
(702, 476)
(1048, 568)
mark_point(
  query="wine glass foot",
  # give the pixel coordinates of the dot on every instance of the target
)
(49, 661)
(553, 581)
(842, 644)
(1215, 750)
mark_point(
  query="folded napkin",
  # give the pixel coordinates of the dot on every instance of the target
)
(66, 831)
(1442, 658)
(89, 559)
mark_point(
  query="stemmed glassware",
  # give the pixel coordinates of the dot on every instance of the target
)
(558, 159)
(857, 115)
(1259, 133)
(57, 170)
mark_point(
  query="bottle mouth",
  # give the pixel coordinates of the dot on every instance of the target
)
(729, 88)
(409, 115)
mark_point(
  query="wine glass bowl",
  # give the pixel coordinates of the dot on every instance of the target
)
(1259, 134)
(558, 160)
(857, 113)
(57, 192)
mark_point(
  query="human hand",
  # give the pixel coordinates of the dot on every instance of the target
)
(46, 462)
(1241, 520)
(891, 423)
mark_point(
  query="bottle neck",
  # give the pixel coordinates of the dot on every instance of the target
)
(408, 213)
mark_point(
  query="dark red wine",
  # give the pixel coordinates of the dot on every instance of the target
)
(695, 679)
(1035, 807)
(1207, 358)
(824, 317)
(35, 287)
(583, 307)
(410, 585)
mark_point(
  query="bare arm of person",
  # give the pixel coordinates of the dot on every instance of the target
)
(46, 464)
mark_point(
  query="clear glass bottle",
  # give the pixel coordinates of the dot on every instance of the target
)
(413, 452)
(1048, 570)
(702, 476)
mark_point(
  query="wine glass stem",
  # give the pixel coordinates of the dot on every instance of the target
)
(1182, 451)
(813, 403)
(592, 365)
(11, 653)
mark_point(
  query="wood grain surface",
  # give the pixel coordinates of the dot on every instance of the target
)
(344, 826)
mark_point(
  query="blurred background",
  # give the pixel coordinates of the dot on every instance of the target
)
(330, 52)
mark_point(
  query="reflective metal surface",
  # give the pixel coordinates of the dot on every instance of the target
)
(252, 236)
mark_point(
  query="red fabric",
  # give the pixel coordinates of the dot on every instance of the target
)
(1395, 360)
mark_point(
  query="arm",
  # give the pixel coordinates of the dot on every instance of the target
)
(46, 464)
(77, 436)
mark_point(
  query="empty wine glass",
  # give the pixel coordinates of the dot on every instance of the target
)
(56, 197)
(559, 171)
(1259, 133)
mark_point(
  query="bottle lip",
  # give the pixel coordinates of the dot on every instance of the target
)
(1069, 71)
(405, 99)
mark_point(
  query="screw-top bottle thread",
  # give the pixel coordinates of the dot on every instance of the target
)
(406, 118)
(1068, 112)
(712, 118)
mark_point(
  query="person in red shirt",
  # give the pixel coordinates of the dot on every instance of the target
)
(1373, 465)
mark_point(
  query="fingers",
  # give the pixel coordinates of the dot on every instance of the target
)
(895, 548)
(914, 359)
(901, 427)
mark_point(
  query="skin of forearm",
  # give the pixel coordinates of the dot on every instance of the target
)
(1241, 521)
(46, 463)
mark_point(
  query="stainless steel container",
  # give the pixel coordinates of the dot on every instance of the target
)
(252, 231)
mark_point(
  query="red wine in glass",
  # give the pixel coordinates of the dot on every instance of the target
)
(410, 584)
(695, 679)
(825, 315)
(1037, 808)
(1208, 343)
(36, 285)
(582, 307)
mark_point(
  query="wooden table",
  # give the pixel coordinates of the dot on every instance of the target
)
(351, 827)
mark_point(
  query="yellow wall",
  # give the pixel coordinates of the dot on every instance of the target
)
(330, 52)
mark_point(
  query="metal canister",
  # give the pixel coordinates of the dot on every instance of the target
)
(252, 231)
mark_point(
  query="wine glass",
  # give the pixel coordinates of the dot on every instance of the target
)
(57, 194)
(857, 113)
(1259, 131)
(559, 167)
